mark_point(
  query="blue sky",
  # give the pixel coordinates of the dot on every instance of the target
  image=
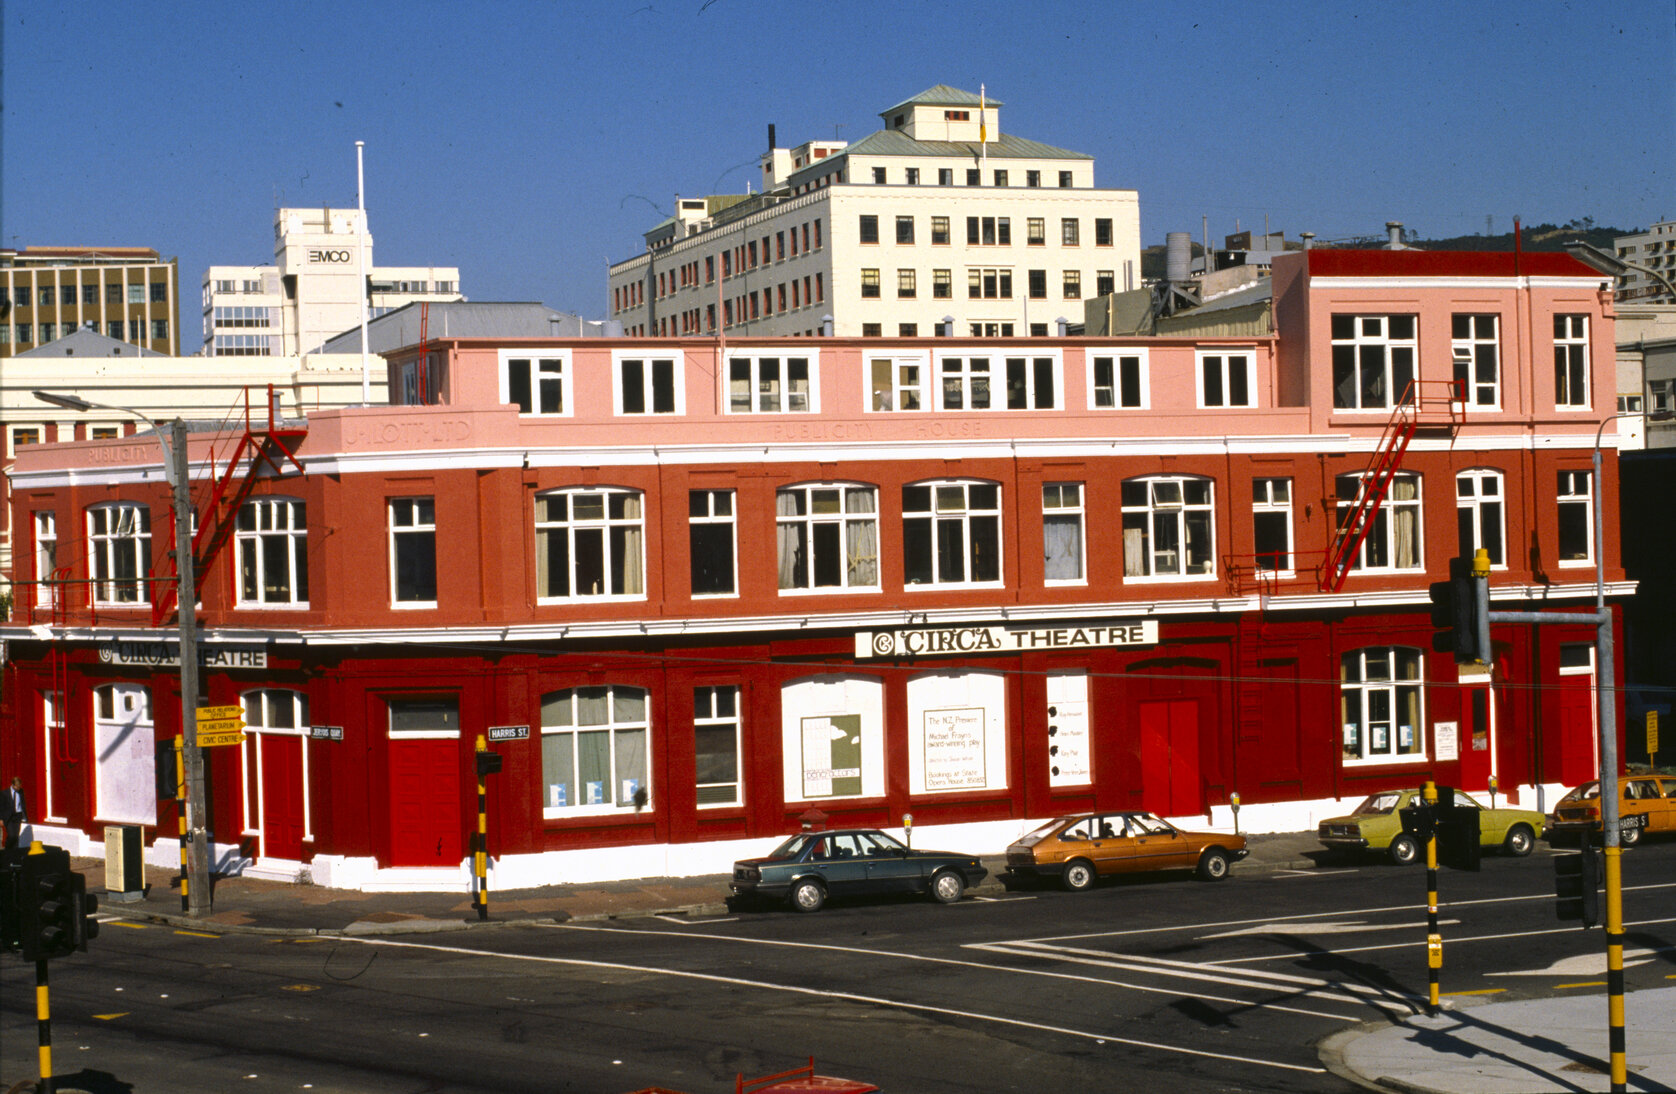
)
(531, 143)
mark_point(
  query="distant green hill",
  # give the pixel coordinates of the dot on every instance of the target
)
(1537, 237)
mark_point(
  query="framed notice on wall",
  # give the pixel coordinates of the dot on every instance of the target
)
(1446, 738)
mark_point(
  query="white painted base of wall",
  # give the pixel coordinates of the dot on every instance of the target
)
(598, 864)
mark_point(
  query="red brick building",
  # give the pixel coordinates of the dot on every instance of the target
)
(723, 583)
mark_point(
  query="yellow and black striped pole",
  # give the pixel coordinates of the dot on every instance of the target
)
(43, 1026)
(180, 814)
(1615, 966)
(480, 842)
(1434, 940)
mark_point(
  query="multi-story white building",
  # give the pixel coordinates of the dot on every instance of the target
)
(1654, 249)
(940, 223)
(313, 290)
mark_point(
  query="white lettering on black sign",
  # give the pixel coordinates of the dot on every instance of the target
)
(509, 733)
(325, 733)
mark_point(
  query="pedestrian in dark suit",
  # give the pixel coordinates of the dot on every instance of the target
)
(15, 813)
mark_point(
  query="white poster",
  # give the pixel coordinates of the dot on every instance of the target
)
(1446, 737)
(1069, 761)
(954, 749)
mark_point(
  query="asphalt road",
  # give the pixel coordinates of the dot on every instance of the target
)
(1171, 985)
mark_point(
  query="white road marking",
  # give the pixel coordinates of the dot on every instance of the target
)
(685, 922)
(1102, 981)
(1584, 964)
(1399, 945)
(1311, 873)
(1323, 927)
(1316, 915)
(850, 997)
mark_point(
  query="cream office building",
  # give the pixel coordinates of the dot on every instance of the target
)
(313, 290)
(940, 223)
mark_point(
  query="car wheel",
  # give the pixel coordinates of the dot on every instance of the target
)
(948, 887)
(1629, 837)
(808, 896)
(1079, 875)
(1213, 864)
(1404, 850)
(1520, 840)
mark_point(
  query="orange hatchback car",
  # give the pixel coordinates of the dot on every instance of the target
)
(1076, 850)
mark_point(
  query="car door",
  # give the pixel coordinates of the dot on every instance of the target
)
(837, 859)
(890, 869)
(1642, 796)
(1665, 821)
(1158, 846)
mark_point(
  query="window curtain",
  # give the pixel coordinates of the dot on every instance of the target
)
(1062, 548)
(1405, 523)
(1134, 546)
(788, 537)
(861, 540)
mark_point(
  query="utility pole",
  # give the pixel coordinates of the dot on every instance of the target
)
(195, 886)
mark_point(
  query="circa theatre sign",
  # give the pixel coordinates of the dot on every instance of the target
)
(954, 641)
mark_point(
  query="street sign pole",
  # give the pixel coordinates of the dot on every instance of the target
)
(195, 886)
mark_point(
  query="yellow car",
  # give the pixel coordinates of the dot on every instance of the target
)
(1376, 825)
(1652, 797)
(1077, 849)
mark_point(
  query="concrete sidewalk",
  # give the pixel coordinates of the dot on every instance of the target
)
(1473, 1047)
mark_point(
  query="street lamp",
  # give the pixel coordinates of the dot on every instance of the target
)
(197, 897)
(1608, 263)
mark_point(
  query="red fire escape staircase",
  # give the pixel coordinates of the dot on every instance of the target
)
(262, 451)
(1429, 406)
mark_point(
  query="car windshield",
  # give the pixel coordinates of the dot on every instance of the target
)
(1378, 804)
(1583, 793)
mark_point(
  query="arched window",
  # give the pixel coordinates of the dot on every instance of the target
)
(1480, 515)
(593, 749)
(119, 552)
(1168, 527)
(272, 547)
(589, 544)
(827, 536)
(1381, 691)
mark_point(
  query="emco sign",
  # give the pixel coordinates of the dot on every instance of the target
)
(330, 257)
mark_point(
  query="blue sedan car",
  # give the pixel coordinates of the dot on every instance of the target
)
(811, 866)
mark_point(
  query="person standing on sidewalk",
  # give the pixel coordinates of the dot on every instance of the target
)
(15, 813)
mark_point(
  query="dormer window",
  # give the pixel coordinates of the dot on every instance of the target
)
(957, 115)
(897, 122)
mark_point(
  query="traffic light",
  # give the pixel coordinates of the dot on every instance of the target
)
(54, 912)
(1577, 885)
(1455, 612)
(1458, 834)
(488, 763)
(11, 868)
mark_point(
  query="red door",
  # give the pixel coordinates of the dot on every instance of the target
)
(1575, 731)
(425, 802)
(1170, 783)
(282, 796)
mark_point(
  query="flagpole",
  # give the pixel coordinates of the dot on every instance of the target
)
(983, 131)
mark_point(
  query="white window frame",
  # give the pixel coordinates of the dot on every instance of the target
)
(1160, 506)
(1362, 337)
(807, 707)
(1571, 352)
(785, 400)
(46, 558)
(705, 716)
(943, 491)
(888, 397)
(258, 703)
(997, 387)
(1585, 502)
(851, 525)
(1383, 524)
(573, 730)
(1228, 363)
(1068, 502)
(440, 732)
(245, 540)
(416, 528)
(541, 376)
(1477, 501)
(620, 361)
(126, 523)
(1389, 684)
(605, 524)
(52, 723)
(709, 519)
(1263, 502)
(1116, 357)
(1467, 350)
